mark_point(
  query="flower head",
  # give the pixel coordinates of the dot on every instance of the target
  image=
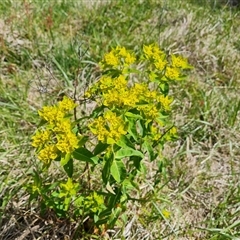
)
(172, 73)
(179, 62)
(66, 104)
(67, 143)
(48, 153)
(41, 137)
(51, 114)
(108, 128)
(111, 59)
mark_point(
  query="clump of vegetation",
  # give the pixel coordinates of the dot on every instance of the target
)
(130, 121)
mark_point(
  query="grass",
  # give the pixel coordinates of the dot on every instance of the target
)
(47, 46)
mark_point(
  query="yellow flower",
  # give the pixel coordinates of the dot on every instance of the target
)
(151, 111)
(155, 133)
(127, 56)
(139, 89)
(130, 59)
(166, 213)
(52, 114)
(165, 102)
(63, 126)
(41, 138)
(122, 51)
(94, 202)
(148, 51)
(120, 82)
(108, 128)
(129, 99)
(48, 153)
(152, 51)
(160, 64)
(171, 134)
(69, 187)
(111, 98)
(172, 73)
(66, 104)
(179, 62)
(173, 131)
(67, 142)
(105, 82)
(111, 59)
(88, 94)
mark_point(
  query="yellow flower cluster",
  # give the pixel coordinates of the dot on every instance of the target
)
(57, 137)
(116, 92)
(94, 202)
(152, 51)
(171, 134)
(69, 188)
(118, 57)
(54, 114)
(168, 135)
(172, 73)
(179, 62)
(172, 68)
(108, 128)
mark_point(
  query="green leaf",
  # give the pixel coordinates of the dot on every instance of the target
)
(124, 142)
(164, 87)
(69, 168)
(110, 141)
(114, 199)
(64, 160)
(82, 154)
(101, 147)
(137, 162)
(153, 76)
(142, 128)
(114, 216)
(149, 148)
(95, 218)
(128, 152)
(132, 129)
(96, 112)
(118, 170)
(127, 185)
(108, 159)
(82, 141)
(104, 216)
(133, 115)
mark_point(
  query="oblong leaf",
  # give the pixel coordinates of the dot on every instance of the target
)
(100, 148)
(150, 150)
(128, 152)
(124, 142)
(118, 170)
(108, 158)
(133, 115)
(82, 154)
(132, 130)
(82, 141)
(64, 160)
(69, 168)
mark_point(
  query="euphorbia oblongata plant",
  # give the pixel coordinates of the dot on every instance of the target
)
(128, 126)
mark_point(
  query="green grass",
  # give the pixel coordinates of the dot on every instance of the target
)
(51, 45)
